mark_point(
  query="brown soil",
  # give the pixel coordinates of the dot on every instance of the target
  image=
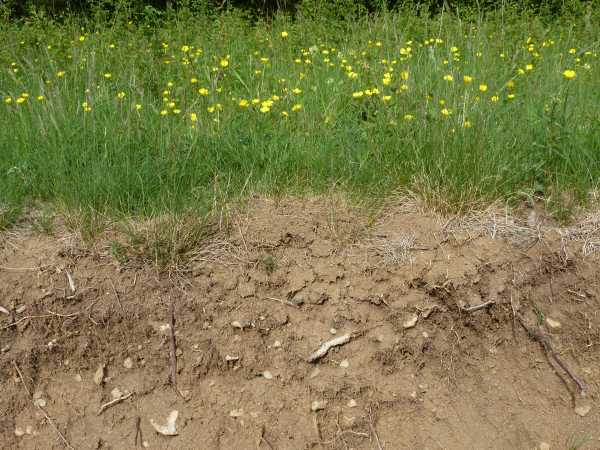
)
(292, 274)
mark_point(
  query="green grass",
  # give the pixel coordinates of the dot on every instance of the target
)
(120, 160)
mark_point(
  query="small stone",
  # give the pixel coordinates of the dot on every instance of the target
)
(268, 375)
(277, 344)
(553, 324)
(145, 444)
(544, 446)
(411, 321)
(5, 348)
(19, 432)
(128, 363)
(423, 388)
(37, 395)
(332, 330)
(237, 324)
(99, 374)
(318, 405)
(583, 410)
(29, 429)
(344, 364)
(413, 395)
(139, 347)
(236, 413)
(229, 358)
(179, 352)
(352, 403)
(78, 378)
(40, 402)
(425, 334)
(116, 393)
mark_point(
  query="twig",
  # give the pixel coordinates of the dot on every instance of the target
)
(15, 323)
(283, 302)
(471, 309)
(71, 281)
(22, 269)
(173, 347)
(113, 402)
(42, 410)
(373, 430)
(263, 438)
(326, 346)
(138, 432)
(116, 293)
(544, 340)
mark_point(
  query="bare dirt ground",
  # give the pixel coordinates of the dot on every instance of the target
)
(420, 371)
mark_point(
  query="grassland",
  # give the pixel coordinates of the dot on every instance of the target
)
(139, 118)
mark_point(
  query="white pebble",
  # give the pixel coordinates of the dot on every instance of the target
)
(268, 375)
(318, 405)
(332, 330)
(352, 403)
(128, 363)
(344, 364)
(276, 344)
(19, 432)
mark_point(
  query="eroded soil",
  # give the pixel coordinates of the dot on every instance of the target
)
(290, 275)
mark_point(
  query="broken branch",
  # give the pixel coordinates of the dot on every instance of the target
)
(113, 402)
(326, 346)
(471, 309)
(544, 340)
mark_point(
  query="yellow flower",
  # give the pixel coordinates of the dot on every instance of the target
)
(193, 117)
(121, 95)
(164, 112)
(107, 75)
(404, 75)
(510, 96)
(176, 111)
(20, 100)
(569, 74)
(40, 98)
(224, 62)
(483, 87)
(265, 109)
(386, 98)
(297, 107)
(243, 103)
(284, 34)
(138, 106)
(60, 74)
(510, 84)
(467, 124)
(467, 79)
(284, 113)
(358, 94)
(448, 77)
(185, 48)
(494, 98)
(446, 112)
(86, 107)
(404, 87)
(8, 100)
(296, 91)
(529, 67)
(194, 80)
(408, 117)
(572, 51)
(81, 38)
(171, 105)
(203, 91)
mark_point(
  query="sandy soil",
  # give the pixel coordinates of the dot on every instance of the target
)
(419, 371)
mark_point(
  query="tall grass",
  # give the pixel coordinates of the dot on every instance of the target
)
(138, 118)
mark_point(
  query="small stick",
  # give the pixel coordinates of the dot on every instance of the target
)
(113, 402)
(374, 431)
(71, 281)
(263, 438)
(138, 432)
(48, 418)
(471, 309)
(326, 346)
(15, 323)
(22, 269)
(283, 302)
(544, 340)
(116, 293)
(173, 348)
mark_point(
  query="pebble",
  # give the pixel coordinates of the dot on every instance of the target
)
(78, 378)
(5, 348)
(19, 432)
(583, 410)
(553, 324)
(128, 363)
(318, 405)
(116, 393)
(40, 402)
(332, 330)
(411, 321)
(425, 334)
(268, 375)
(351, 403)
(277, 344)
(344, 364)
(145, 444)
(236, 413)
(29, 429)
